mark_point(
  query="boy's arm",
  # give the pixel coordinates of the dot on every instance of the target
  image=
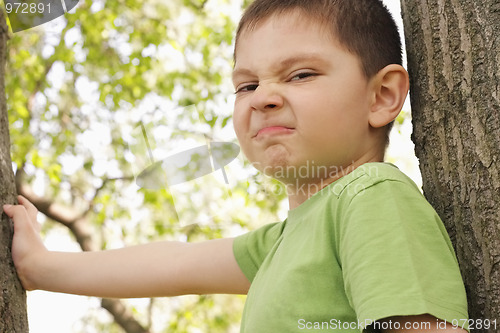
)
(157, 269)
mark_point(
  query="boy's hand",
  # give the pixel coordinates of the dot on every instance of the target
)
(27, 246)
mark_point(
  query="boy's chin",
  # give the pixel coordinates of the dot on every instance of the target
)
(284, 171)
(275, 166)
(276, 171)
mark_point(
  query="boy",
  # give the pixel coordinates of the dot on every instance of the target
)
(318, 83)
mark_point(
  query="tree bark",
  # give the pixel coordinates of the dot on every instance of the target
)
(453, 49)
(13, 317)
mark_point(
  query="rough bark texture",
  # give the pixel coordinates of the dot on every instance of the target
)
(453, 51)
(13, 317)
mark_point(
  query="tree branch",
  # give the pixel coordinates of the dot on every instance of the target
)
(122, 316)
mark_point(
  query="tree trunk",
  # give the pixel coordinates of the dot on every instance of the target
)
(13, 317)
(453, 49)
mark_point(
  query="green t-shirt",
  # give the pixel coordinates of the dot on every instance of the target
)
(366, 247)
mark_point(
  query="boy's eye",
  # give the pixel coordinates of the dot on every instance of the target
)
(249, 87)
(301, 76)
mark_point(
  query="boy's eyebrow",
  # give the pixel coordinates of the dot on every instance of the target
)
(306, 57)
(285, 63)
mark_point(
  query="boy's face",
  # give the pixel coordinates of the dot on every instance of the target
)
(301, 101)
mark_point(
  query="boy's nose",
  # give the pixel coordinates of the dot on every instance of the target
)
(265, 98)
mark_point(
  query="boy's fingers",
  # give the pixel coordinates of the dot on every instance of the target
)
(32, 211)
(16, 212)
(23, 213)
(9, 210)
(20, 216)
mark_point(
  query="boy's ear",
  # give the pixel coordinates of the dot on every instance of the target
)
(390, 88)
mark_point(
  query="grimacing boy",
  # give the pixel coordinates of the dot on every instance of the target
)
(318, 85)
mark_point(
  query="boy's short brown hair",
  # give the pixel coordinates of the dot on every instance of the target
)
(365, 28)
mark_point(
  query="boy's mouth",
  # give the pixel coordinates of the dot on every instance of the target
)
(273, 130)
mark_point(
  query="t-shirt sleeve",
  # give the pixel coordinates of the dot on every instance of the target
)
(251, 249)
(396, 256)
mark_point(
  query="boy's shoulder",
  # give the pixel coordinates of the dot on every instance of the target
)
(381, 171)
(369, 175)
(377, 184)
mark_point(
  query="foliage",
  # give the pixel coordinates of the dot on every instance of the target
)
(78, 88)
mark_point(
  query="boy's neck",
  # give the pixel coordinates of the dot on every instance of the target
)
(301, 191)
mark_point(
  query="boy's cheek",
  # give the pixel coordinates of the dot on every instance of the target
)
(240, 124)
